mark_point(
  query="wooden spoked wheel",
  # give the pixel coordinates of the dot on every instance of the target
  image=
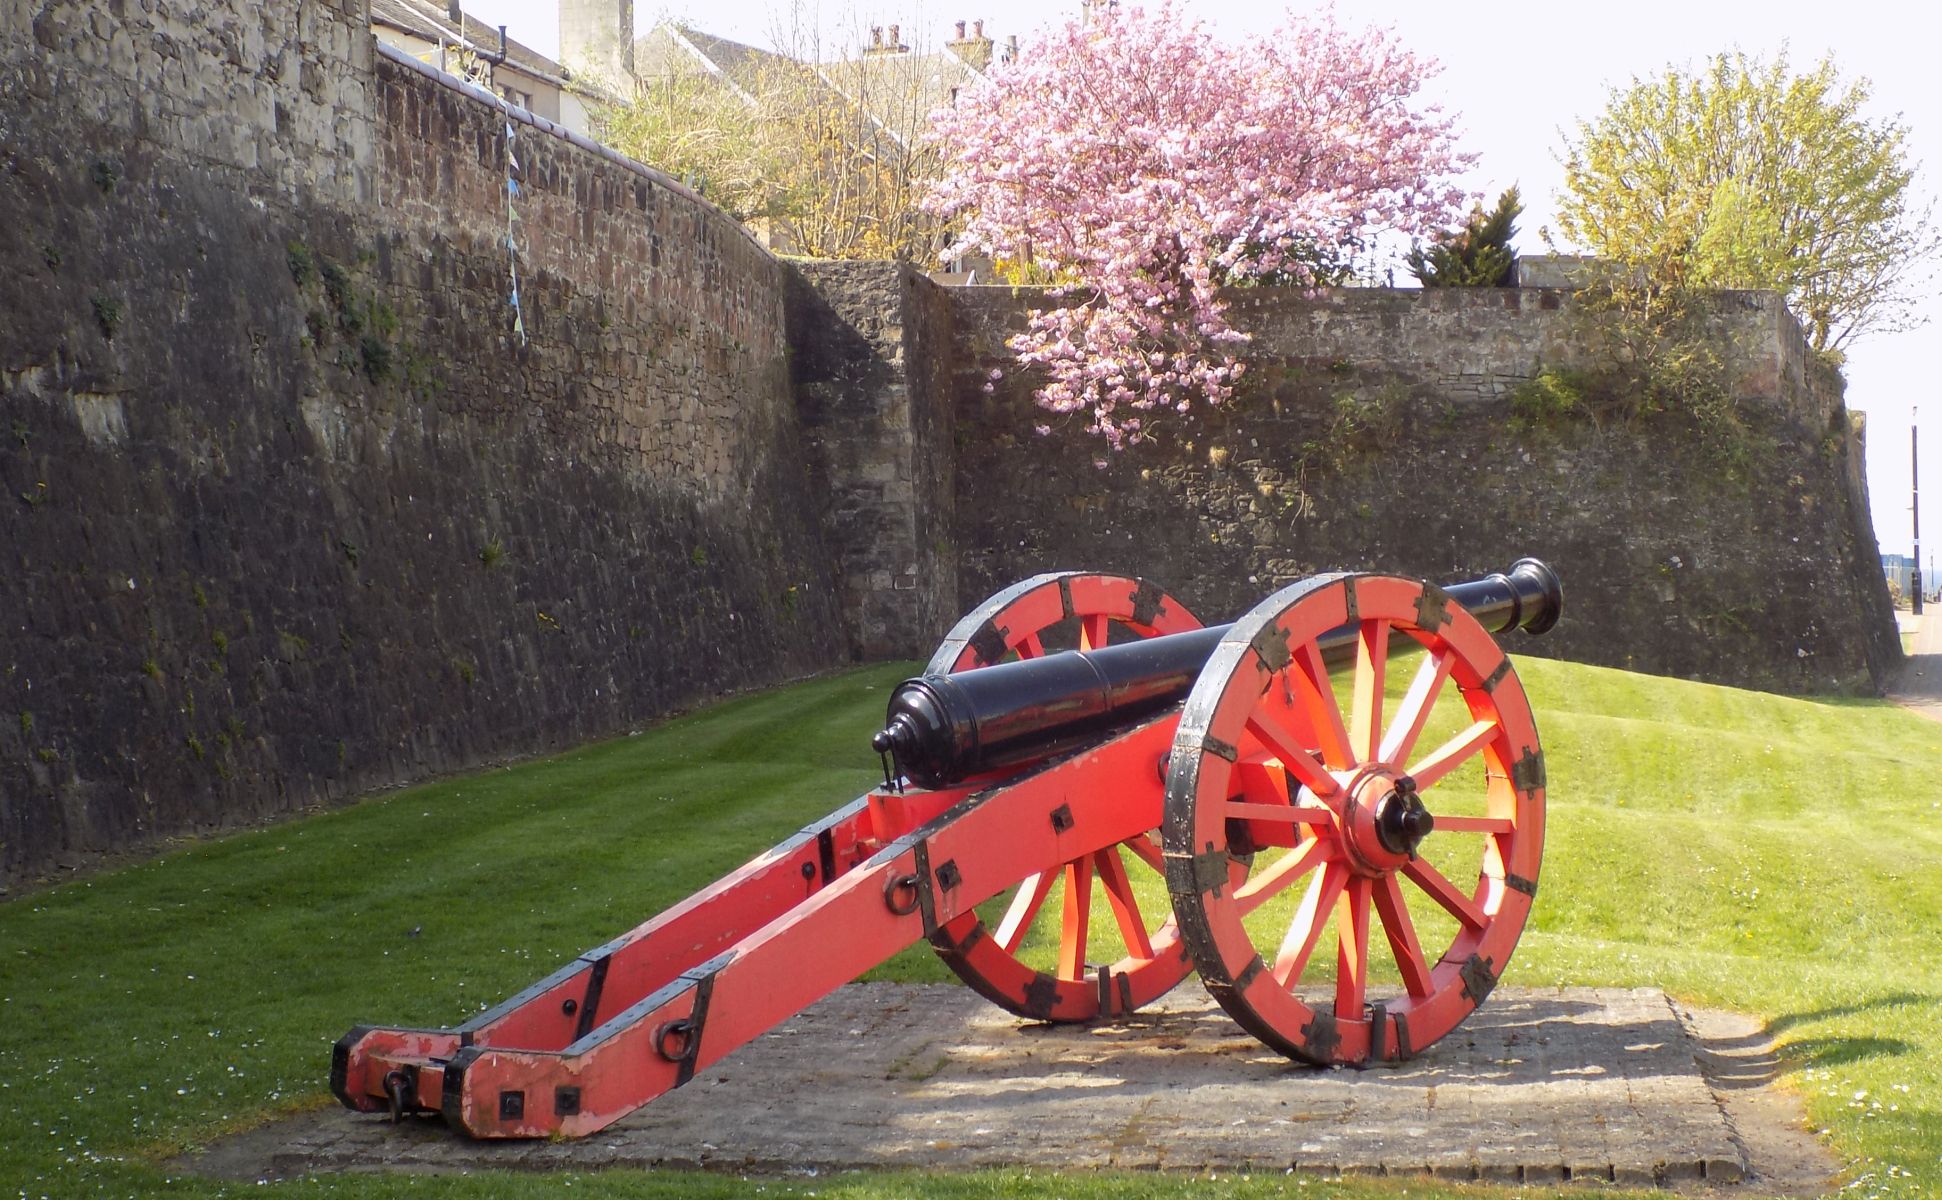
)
(1423, 815)
(1049, 961)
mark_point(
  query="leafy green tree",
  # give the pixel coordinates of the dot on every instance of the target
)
(821, 158)
(1744, 175)
(1478, 255)
(706, 135)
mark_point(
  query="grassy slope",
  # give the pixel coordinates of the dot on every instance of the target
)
(1779, 856)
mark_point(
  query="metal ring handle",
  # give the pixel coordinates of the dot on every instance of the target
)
(670, 1031)
(897, 887)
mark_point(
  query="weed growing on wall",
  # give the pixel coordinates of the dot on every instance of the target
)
(303, 266)
(1554, 394)
(1645, 351)
(1356, 426)
(367, 324)
(375, 354)
(107, 315)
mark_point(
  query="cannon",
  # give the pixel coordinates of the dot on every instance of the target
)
(1246, 800)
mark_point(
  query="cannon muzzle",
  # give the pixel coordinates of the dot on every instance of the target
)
(940, 729)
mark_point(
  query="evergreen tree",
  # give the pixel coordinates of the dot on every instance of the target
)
(1478, 255)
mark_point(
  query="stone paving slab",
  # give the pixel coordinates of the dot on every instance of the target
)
(1538, 1086)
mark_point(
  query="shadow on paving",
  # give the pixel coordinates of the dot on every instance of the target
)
(1537, 1086)
(1919, 686)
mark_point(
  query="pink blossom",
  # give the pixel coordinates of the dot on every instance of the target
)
(1154, 166)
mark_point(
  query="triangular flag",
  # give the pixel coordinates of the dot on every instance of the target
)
(512, 186)
(509, 131)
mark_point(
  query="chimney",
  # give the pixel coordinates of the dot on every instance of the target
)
(597, 36)
(1011, 48)
(879, 45)
(1092, 11)
(974, 51)
(456, 12)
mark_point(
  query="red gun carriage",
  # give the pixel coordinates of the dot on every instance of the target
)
(1221, 761)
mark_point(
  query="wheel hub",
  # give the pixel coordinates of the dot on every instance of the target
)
(1402, 822)
(1385, 822)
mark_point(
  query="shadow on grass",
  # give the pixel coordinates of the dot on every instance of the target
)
(1848, 700)
(1751, 1060)
(1787, 1021)
(1840, 1051)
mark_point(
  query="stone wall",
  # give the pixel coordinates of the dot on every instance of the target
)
(1374, 431)
(871, 356)
(287, 511)
(277, 94)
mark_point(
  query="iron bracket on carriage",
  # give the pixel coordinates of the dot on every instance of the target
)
(1089, 796)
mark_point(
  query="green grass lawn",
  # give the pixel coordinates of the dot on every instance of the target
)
(1778, 856)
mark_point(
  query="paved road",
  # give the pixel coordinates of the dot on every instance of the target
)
(1920, 685)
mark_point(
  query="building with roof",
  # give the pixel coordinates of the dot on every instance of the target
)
(897, 87)
(869, 103)
(445, 36)
(864, 105)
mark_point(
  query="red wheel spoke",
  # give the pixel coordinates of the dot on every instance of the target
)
(1147, 851)
(1024, 906)
(1473, 824)
(1293, 755)
(1401, 932)
(1015, 966)
(1273, 881)
(1352, 949)
(1441, 890)
(1416, 706)
(1315, 693)
(1292, 959)
(1371, 666)
(1078, 915)
(1301, 766)
(1125, 906)
(1297, 814)
(1452, 754)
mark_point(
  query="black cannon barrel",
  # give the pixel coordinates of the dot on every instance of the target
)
(944, 728)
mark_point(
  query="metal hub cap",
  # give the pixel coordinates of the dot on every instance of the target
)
(1384, 820)
(1402, 822)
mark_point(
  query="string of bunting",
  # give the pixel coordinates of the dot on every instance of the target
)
(513, 172)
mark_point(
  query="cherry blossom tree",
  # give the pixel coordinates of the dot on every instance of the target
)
(1140, 166)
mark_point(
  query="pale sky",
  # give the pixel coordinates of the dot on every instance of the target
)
(1516, 73)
